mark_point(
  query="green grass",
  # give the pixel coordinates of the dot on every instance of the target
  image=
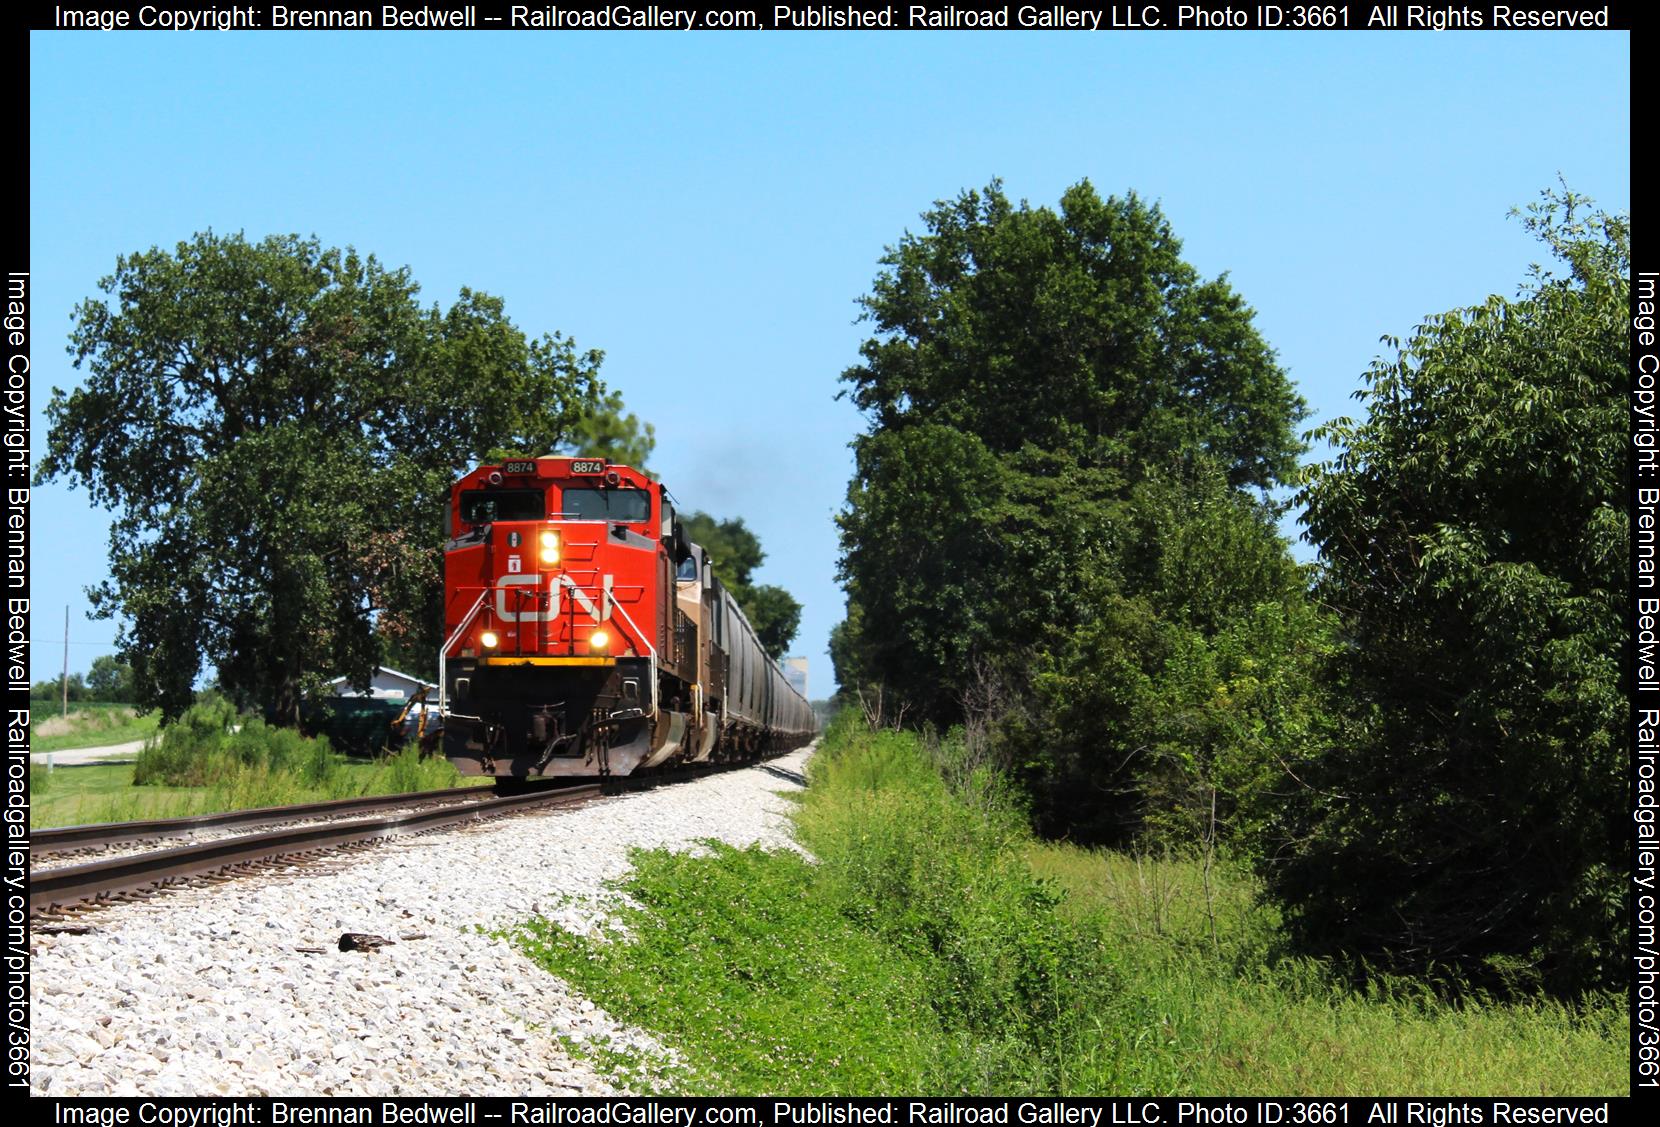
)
(935, 947)
(1232, 1018)
(200, 765)
(103, 792)
(89, 725)
(776, 993)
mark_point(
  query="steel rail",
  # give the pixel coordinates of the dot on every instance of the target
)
(99, 880)
(106, 833)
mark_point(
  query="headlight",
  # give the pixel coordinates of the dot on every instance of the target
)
(598, 640)
(488, 639)
(550, 546)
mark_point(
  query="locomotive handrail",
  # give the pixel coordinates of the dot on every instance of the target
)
(444, 651)
(640, 634)
(467, 620)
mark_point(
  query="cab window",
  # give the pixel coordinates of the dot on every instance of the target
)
(629, 505)
(485, 506)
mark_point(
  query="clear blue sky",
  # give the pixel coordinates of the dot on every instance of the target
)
(706, 207)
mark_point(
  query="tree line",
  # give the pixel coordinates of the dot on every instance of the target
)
(1062, 533)
(109, 681)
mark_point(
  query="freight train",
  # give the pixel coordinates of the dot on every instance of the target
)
(585, 635)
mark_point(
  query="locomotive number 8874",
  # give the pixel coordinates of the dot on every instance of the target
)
(585, 635)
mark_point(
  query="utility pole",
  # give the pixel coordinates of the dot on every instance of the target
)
(66, 661)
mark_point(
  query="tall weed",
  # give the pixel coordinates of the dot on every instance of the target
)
(919, 954)
(762, 985)
(248, 763)
(188, 752)
(409, 770)
(1211, 1006)
(939, 878)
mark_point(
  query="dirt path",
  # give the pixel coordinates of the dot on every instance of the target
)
(71, 756)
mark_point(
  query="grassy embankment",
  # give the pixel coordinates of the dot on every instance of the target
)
(201, 766)
(935, 947)
(88, 725)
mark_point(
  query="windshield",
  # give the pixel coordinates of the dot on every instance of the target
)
(483, 506)
(607, 504)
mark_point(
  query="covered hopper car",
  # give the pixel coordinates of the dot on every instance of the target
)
(586, 635)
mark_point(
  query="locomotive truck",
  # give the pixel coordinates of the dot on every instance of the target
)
(586, 635)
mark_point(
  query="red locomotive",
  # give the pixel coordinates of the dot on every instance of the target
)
(585, 635)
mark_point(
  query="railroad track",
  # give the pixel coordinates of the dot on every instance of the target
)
(57, 890)
(102, 835)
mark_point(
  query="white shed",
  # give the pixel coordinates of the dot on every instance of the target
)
(386, 684)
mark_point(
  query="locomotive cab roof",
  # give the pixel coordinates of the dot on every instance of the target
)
(589, 489)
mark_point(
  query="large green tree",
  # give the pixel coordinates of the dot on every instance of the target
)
(736, 552)
(1474, 541)
(1080, 330)
(1029, 367)
(274, 425)
(1060, 529)
(955, 558)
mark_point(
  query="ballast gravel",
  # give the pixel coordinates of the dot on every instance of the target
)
(205, 991)
(72, 856)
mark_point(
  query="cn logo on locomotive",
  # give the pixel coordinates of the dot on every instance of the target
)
(579, 598)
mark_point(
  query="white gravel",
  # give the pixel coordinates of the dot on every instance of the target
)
(202, 991)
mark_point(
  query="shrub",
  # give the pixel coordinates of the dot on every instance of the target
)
(206, 746)
(1469, 817)
(187, 751)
